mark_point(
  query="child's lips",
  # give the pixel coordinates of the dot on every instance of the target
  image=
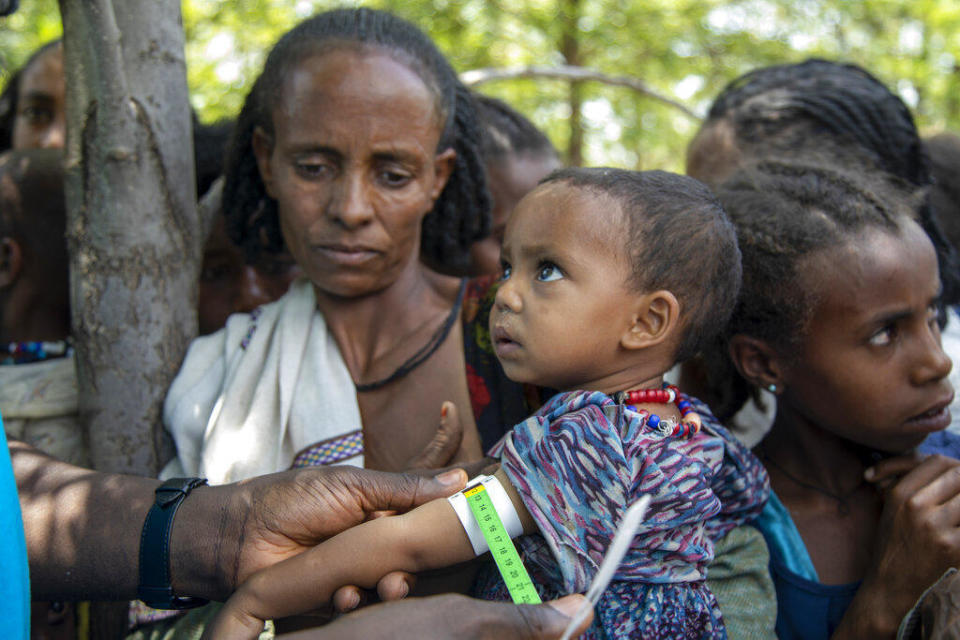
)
(503, 343)
(937, 418)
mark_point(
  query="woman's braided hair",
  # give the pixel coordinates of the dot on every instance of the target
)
(784, 212)
(460, 215)
(816, 105)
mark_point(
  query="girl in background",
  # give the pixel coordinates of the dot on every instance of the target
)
(838, 318)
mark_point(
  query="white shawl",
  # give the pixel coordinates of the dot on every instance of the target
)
(251, 396)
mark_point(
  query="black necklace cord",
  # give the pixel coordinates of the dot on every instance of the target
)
(424, 352)
(842, 499)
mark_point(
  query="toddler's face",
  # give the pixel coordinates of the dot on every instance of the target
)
(871, 368)
(561, 307)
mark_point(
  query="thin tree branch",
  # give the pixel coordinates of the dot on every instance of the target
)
(476, 77)
(108, 75)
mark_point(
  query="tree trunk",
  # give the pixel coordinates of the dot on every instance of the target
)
(132, 228)
(133, 231)
(570, 48)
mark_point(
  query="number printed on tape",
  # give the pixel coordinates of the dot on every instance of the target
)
(501, 547)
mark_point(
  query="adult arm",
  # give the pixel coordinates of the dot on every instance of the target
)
(83, 527)
(454, 617)
(918, 539)
(428, 537)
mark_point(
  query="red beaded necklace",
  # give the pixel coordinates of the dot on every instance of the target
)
(690, 422)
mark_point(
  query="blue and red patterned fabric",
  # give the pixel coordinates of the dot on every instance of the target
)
(580, 461)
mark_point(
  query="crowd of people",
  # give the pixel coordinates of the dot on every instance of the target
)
(763, 347)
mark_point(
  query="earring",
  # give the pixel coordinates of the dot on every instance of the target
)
(772, 388)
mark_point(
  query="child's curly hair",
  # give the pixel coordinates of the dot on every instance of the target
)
(784, 212)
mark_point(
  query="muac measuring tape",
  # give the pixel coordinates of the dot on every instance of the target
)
(480, 500)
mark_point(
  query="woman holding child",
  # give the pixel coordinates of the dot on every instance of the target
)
(371, 337)
(358, 149)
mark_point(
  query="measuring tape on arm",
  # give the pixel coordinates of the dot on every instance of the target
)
(482, 508)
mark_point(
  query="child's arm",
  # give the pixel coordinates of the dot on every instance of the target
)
(428, 537)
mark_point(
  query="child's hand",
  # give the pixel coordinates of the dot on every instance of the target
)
(441, 450)
(276, 592)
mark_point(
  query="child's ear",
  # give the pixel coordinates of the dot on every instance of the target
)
(11, 261)
(262, 150)
(656, 318)
(758, 362)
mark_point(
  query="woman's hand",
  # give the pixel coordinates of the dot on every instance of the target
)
(917, 540)
(268, 519)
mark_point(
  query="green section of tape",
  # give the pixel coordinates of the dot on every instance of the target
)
(501, 547)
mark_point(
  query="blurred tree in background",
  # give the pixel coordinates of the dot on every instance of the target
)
(682, 49)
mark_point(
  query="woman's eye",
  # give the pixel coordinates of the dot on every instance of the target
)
(884, 337)
(394, 178)
(311, 169)
(549, 272)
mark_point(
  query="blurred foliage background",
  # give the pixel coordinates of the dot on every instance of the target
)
(686, 50)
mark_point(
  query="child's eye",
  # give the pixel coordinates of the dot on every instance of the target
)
(505, 270)
(37, 115)
(549, 272)
(883, 337)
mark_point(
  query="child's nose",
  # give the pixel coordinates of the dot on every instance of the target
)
(934, 364)
(508, 298)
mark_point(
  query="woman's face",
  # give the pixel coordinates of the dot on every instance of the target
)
(40, 121)
(353, 166)
(871, 368)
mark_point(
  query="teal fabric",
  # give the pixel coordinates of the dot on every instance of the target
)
(806, 609)
(784, 541)
(14, 571)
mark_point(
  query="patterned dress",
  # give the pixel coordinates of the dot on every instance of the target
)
(579, 462)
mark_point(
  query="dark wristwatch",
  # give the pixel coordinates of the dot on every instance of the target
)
(154, 588)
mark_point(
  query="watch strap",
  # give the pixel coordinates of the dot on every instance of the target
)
(154, 588)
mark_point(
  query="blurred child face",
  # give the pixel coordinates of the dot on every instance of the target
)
(561, 307)
(509, 179)
(229, 285)
(40, 121)
(870, 367)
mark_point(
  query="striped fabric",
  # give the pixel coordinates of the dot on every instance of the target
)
(331, 451)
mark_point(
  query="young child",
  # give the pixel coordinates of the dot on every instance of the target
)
(609, 277)
(838, 317)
